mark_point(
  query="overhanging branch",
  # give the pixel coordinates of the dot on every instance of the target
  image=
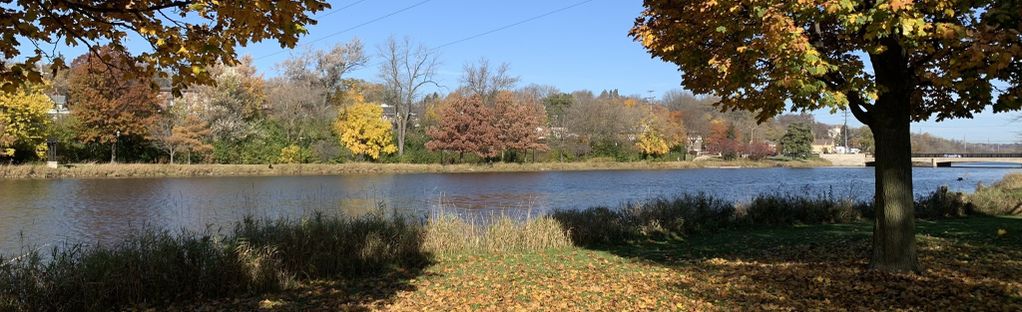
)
(859, 107)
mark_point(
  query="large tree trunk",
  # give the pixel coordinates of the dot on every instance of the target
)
(894, 242)
(172, 156)
(894, 245)
(113, 152)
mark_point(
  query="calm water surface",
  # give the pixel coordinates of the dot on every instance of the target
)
(47, 212)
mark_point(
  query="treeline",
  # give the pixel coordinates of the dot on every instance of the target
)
(313, 113)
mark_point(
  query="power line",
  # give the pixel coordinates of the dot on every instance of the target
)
(450, 43)
(964, 127)
(354, 27)
(577, 4)
(341, 9)
(504, 27)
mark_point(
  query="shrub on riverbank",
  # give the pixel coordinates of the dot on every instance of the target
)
(692, 214)
(150, 268)
(1001, 198)
(155, 268)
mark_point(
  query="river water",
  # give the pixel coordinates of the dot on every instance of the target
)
(41, 213)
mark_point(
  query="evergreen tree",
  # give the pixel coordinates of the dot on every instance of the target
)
(797, 142)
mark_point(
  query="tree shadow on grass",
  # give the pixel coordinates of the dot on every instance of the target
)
(338, 294)
(967, 265)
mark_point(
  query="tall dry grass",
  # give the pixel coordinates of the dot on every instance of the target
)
(1001, 198)
(448, 234)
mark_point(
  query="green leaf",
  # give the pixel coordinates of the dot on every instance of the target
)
(759, 11)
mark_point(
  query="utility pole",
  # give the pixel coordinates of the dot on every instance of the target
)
(844, 132)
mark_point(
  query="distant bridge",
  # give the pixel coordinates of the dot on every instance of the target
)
(947, 159)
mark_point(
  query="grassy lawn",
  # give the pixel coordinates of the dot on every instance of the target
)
(969, 264)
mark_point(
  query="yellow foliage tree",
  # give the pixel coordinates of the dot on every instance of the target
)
(293, 154)
(651, 142)
(362, 129)
(24, 121)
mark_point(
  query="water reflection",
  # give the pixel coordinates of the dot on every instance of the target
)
(103, 210)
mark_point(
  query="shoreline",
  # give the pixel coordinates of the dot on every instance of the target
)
(90, 171)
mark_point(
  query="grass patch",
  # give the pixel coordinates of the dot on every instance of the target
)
(811, 267)
(807, 267)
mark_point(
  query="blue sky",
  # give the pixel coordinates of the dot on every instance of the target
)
(583, 47)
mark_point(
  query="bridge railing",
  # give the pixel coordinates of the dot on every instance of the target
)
(967, 155)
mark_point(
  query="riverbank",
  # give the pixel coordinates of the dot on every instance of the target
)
(693, 252)
(78, 171)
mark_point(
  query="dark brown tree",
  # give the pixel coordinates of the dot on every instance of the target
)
(109, 101)
(465, 127)
(518, 119)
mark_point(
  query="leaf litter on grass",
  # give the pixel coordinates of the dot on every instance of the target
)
(820, 268)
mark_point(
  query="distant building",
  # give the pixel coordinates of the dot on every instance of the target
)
(59, 106)
(834, 132)
(166, 92)
(846, 150)
(823, 146)
(695, 145)
(390, 114)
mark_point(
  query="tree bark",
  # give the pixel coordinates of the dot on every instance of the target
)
(113, 152)
(402, 128)
(172, 156)
(894, 244)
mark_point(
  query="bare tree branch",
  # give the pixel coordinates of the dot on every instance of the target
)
(405, 70)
